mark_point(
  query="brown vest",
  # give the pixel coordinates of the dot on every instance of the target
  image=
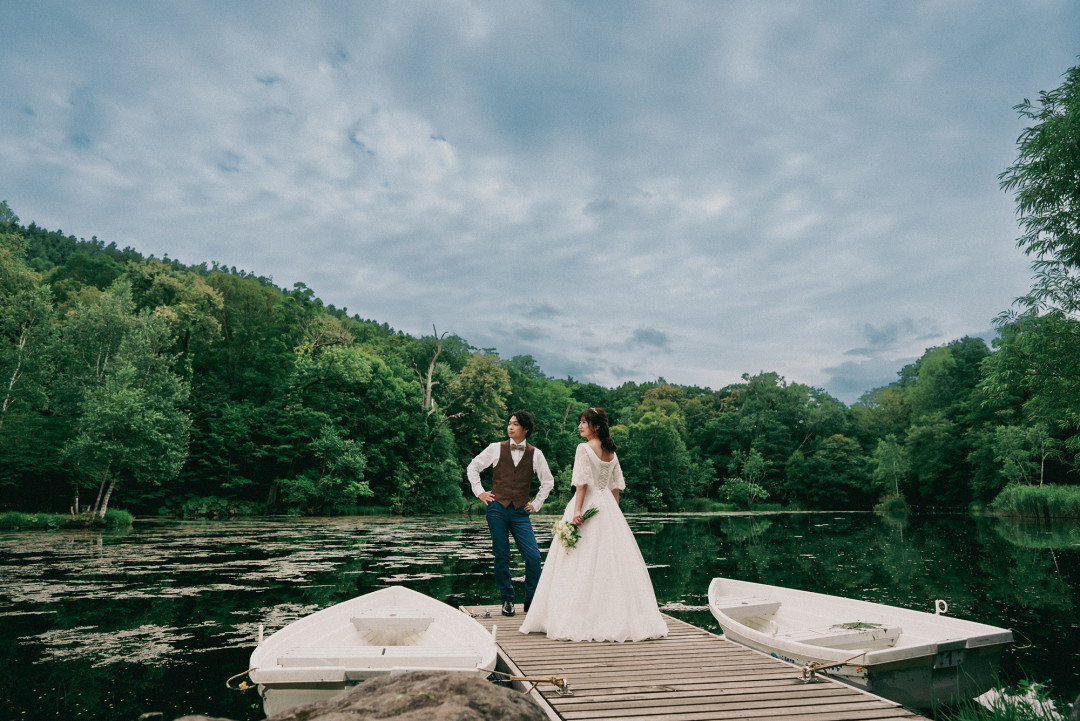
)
(511, 483)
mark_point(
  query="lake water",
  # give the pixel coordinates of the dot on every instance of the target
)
(113, 625)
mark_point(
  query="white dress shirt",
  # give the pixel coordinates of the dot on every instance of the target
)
(490, 456)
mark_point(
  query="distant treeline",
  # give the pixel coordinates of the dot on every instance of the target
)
(196, 390)
(208, 390)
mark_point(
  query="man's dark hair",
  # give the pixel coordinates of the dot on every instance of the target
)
(525, 420)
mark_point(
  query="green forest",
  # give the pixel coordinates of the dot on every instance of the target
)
(145, 384)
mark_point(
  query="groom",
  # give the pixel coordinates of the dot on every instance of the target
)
(508, 505)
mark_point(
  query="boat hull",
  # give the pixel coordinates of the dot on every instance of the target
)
(915, 682)
(389, 631)
(948, 661)
(282, 697)
(278, 697)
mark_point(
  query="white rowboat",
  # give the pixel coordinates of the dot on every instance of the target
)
(391, 630)
(917, 659)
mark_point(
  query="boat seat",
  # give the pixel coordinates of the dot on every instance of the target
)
(379, 656)
(396, 621)
(743, 606)
(846, 635)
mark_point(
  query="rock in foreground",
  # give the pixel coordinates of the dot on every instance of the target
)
(420, 696)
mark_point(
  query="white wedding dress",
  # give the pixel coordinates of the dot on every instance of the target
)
(599, 590)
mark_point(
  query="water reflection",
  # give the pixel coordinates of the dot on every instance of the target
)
(1039, 533)
(157, 618)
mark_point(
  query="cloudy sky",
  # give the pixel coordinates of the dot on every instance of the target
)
(623, 190)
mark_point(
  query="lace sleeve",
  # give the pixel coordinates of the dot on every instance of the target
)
(617, 479)
(582, 470)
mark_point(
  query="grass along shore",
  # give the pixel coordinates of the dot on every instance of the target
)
(1022, 501)
(114, 519)
(1049, 501)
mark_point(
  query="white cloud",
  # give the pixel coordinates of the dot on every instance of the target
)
(692, 190)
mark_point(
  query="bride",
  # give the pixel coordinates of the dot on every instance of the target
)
(599, 589)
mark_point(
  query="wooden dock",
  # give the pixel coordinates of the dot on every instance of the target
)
(692, 675)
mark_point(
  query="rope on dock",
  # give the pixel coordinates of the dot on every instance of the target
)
(562, 687)
(243, 686)
(1029, 643)
(812, 669)
(677, 606)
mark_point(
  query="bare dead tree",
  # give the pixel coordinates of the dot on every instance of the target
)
(459, 414)
(14, 378)
(429, 382)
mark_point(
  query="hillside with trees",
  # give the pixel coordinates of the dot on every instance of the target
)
(206, 390)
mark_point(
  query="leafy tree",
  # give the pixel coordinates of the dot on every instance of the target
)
(32, 474)
(596, 396)
(91, 336)
(83, 269)
(719, 439)
(479, 393)
(191, 306)
(436, 360)
(943, 379)
(778, 418)
(130, 426)
(1046, 180)
(620, 403)
(8, 219)
(890, 465)
(225, 454)
(879, 413)
(744, 487)
(431, 480)
(15, 276)
(26, 328)
(834, 475)
(125, 434)
(985, 480)
(702, 405)
(1039, 348)
(338, 479)
(1037, 365)
(553, 406)
(941, 391)
(349, 388)
(936, 452)
(256, 354)
(660, 470)
(1022, 452)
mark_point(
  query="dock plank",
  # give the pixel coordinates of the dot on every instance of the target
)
(691, 675)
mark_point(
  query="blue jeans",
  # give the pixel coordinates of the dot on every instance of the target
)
(504, 522)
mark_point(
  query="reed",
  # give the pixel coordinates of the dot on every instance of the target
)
(1030, 702)
(16, 521)
(892, 504)
(707, 505)
(1049, 501)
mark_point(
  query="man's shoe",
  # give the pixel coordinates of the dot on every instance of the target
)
(508, 608)
(527, 604)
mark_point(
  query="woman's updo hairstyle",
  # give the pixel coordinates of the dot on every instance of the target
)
(597, 418)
